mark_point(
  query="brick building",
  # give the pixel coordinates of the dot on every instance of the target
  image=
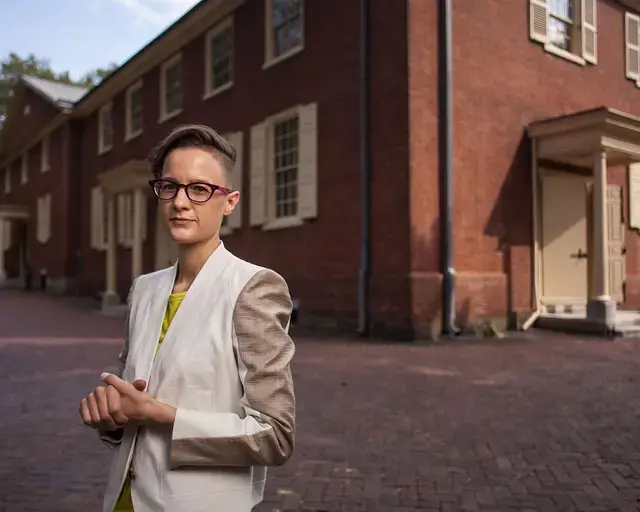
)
(340, 121)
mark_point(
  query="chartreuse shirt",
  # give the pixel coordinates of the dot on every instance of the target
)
(175, 299)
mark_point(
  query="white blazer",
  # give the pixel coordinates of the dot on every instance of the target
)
(225, 365)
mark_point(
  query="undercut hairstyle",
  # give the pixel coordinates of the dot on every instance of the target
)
(195, 136)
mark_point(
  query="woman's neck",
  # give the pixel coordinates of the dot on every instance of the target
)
(191, 259)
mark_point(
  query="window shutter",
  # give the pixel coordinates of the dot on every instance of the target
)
(6, 242)
(93, 221)
(122, 226)
(47, 218)
(538, 20)
(632, 45)
(235, 219)
(39, 221)
(590, 31)
(258, 183)
(308, 162)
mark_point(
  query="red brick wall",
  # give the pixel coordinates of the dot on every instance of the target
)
(503, 82)
(320, 259)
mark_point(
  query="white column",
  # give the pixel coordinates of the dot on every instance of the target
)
(3, 225)
(139, 207)
(600, 258)
(110, 274)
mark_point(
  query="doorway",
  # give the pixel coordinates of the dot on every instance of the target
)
(166, 248)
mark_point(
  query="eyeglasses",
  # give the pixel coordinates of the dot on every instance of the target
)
(197, 192)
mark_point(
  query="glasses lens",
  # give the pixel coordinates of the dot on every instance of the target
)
(165, 189)
(199, 192)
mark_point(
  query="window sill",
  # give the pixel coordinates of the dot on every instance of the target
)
(217, 91)
(132, 136)
(283, 223)
(554, 50)
(167, 117)
(276, 60)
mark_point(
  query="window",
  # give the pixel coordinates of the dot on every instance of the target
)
(632, 47)
(284, 169)
(43, 229)
(99, 219)
(219, 55)
(567, 28)
(134, 120)
(7, 180)
(171, 88)
(44, 154)
(285, 29)
(24, 169)
(105, 128)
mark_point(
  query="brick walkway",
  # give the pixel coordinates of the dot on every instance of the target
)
(549, 424)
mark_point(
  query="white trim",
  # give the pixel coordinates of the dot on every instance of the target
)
(164, 115)
(129, 133)
(103, 147)
(219, 28)
(45, 153)
(270, 57)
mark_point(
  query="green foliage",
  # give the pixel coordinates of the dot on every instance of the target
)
(12, 66)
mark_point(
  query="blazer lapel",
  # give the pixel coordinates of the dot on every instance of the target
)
(150, 319)
(191, 315)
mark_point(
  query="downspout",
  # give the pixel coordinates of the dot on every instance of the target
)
(445, 156)
(364, 272)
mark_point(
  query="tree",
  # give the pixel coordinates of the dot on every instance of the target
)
(13, 66)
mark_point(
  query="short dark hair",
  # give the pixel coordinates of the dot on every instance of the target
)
(194, 136)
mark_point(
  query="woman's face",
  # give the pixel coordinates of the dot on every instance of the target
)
(191, 222)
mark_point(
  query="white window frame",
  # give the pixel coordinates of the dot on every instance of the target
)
(630, 49)
(7, 180)
(105, 110)
(130, 133)
(24, 169)
(43, 229)
(166, 65)
(540, 8)
(262, 170)
(270, 56)
(45, 153)
(219, 28)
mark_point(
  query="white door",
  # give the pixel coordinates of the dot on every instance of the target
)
(166, 248)
(564, 239)
(616, 232)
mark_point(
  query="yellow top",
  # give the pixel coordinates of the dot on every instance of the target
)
(175, 299)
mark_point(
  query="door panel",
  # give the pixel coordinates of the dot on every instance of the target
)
(564, 239)
(166, 248)
(616, 235)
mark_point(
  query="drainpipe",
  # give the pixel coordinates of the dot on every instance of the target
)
(445, 156)
(364, 272)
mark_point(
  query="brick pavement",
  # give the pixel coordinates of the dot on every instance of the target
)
(548, 424)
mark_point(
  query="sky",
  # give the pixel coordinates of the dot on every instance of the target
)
(81, 35)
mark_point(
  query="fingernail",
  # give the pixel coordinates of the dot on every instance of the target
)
(104, 375)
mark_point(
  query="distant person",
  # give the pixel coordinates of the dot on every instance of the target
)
(205, 400)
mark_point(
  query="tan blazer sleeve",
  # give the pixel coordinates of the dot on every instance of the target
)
(265, 435)
(112, 438)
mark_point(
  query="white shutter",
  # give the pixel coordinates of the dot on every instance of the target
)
(632, 46)
(47, 218)
(122, 215)
(6, 232)
(590, 31)
(538, 20)
(258, 185)
(39, 221)
(634, 196)
(235, 219)
(93, 220)
(308, 162)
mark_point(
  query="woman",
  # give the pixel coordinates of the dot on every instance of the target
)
(204, 399)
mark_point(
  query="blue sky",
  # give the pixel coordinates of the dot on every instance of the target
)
(80, 35)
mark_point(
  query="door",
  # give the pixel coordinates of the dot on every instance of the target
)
(564, 239)
(616, 233)
(166, 248)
